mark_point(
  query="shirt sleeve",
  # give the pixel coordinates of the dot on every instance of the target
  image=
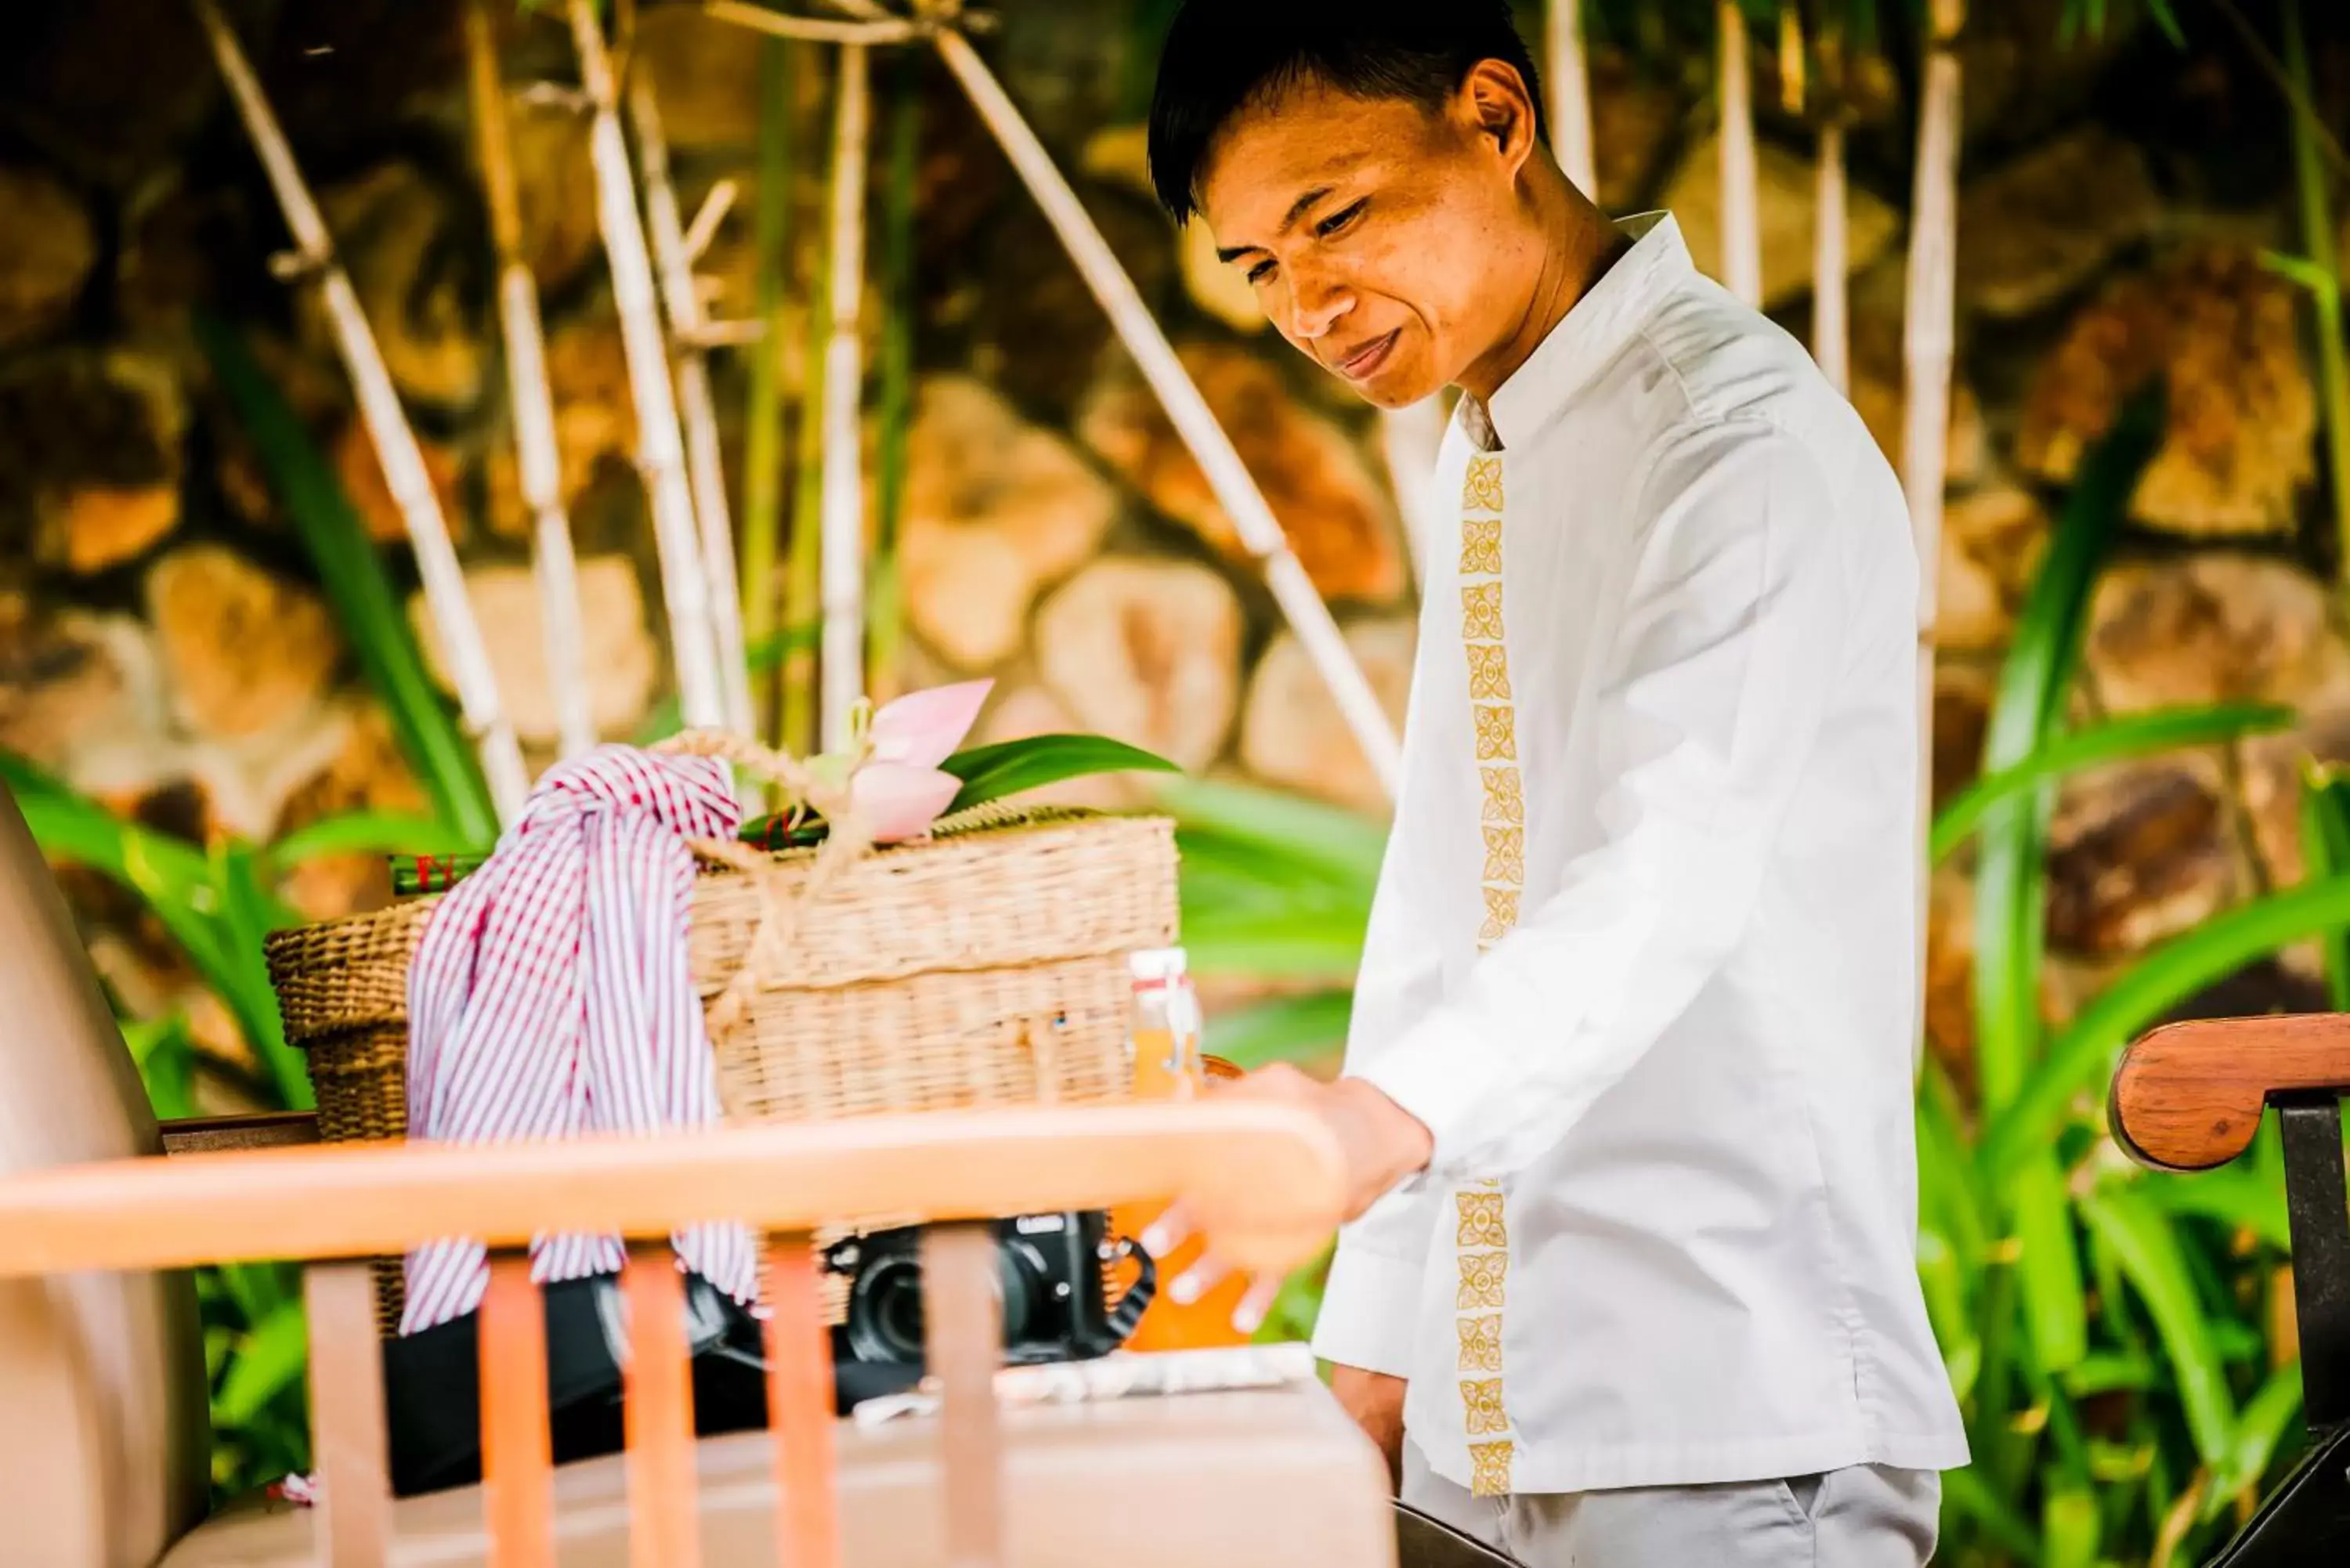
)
(1371, 1301)
(1705, 715)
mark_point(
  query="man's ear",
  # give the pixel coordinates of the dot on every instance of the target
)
(1495, 96)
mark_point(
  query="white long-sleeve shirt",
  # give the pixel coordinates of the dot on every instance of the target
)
(1643, 953)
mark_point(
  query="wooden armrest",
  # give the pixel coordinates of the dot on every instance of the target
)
(2188, 1097)
(262, 1129)
(1266, 1180)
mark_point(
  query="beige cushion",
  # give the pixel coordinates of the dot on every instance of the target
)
(117, 1358)
(1234, 1480)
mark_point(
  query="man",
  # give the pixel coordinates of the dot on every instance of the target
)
(1629, 1277)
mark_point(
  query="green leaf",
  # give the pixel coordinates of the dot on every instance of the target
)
(2110, 1372)
(1014, 768)
(248, 914)
(257, 1290)
(214, 908)
(2266, 1422)
(2239, 1199)
(2148, 1251)
(2168, 976)
(1333, 842)
(2055, 1304)
(1943, 1282)
(1272, 947)
(2010, 877)
(1968, 1494)
(1008, 768)
(370, 833)
(1284, 1029)
(2325, 852)
(2069, 1528)
(312, 494)
(265, 1363)
(1948, 1187)
(2303, 270)
(2138, 734)
(166, 1060)
(72, 827)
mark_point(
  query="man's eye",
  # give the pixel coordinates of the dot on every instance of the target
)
(1260, 272)
(1339, 219)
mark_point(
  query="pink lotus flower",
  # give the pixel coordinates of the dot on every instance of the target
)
(901, 790)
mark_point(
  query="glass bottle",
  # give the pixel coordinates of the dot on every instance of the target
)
(1164, 1025)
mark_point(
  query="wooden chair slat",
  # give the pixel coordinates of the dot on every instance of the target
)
(517, 1457)
(2188, 1097)
(665, 1522)
(799, 1406)
(964, 1342)
(346, 1417)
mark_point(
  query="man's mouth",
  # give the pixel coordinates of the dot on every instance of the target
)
(1365, 362)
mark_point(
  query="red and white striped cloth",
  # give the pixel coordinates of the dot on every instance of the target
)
(550, 997)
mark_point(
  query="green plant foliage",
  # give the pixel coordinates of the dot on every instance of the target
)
(2117, 740)
(305, 485)
(1014, 768)
(219, 901)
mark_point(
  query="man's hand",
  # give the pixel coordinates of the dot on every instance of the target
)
(1382, 1143)
(1375, 1402)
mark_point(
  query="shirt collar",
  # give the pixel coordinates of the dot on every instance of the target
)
(1587, 338)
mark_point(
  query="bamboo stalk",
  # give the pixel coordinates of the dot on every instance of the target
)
(802, 588)
(2317, 242)
(388, 429)
(705, 464)
(810, 29)
(533, 402)
(1570, 97)
(1928, 334)
(699, 234)
(1741, 233)
(1228, 477)
(885, 634)
(763, 423)
(661, 454)
(842, 668)
(1832, 253)
(1831, 261)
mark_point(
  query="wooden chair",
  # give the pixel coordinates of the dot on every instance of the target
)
(104, 1451)
(2189, 1098)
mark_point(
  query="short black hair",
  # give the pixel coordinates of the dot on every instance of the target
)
(1222, 54)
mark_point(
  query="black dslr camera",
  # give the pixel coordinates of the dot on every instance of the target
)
(1051, 1277)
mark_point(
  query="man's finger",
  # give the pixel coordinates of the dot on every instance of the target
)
(1250, 1315)
(1197, 1281)
(1169, 1231)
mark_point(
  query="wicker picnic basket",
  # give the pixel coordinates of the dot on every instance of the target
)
(985, 966)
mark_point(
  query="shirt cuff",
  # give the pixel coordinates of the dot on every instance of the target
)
(1370, 1311)
(1438, 1073)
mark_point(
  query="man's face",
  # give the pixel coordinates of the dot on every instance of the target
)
(1379, 235)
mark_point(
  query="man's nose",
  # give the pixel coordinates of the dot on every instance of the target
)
(1315, 306)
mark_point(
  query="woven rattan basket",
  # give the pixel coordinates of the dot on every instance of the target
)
(986, 966)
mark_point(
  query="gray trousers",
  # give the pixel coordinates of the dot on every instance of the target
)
(1865, 1517)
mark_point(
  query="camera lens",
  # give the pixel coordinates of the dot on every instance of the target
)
(1024, 1284)
(884, 1311)
(884, 1303)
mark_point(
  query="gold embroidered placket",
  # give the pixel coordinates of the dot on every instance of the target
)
(1482, 1245)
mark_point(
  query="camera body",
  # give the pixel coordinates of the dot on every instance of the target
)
(1051, 1279)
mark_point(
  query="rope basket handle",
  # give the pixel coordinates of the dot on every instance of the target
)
(845, 844)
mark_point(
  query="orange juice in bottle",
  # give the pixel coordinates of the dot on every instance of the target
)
(1164, 1031)
(1164, 1037)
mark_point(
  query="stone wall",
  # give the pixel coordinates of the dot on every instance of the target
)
(163, 644)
